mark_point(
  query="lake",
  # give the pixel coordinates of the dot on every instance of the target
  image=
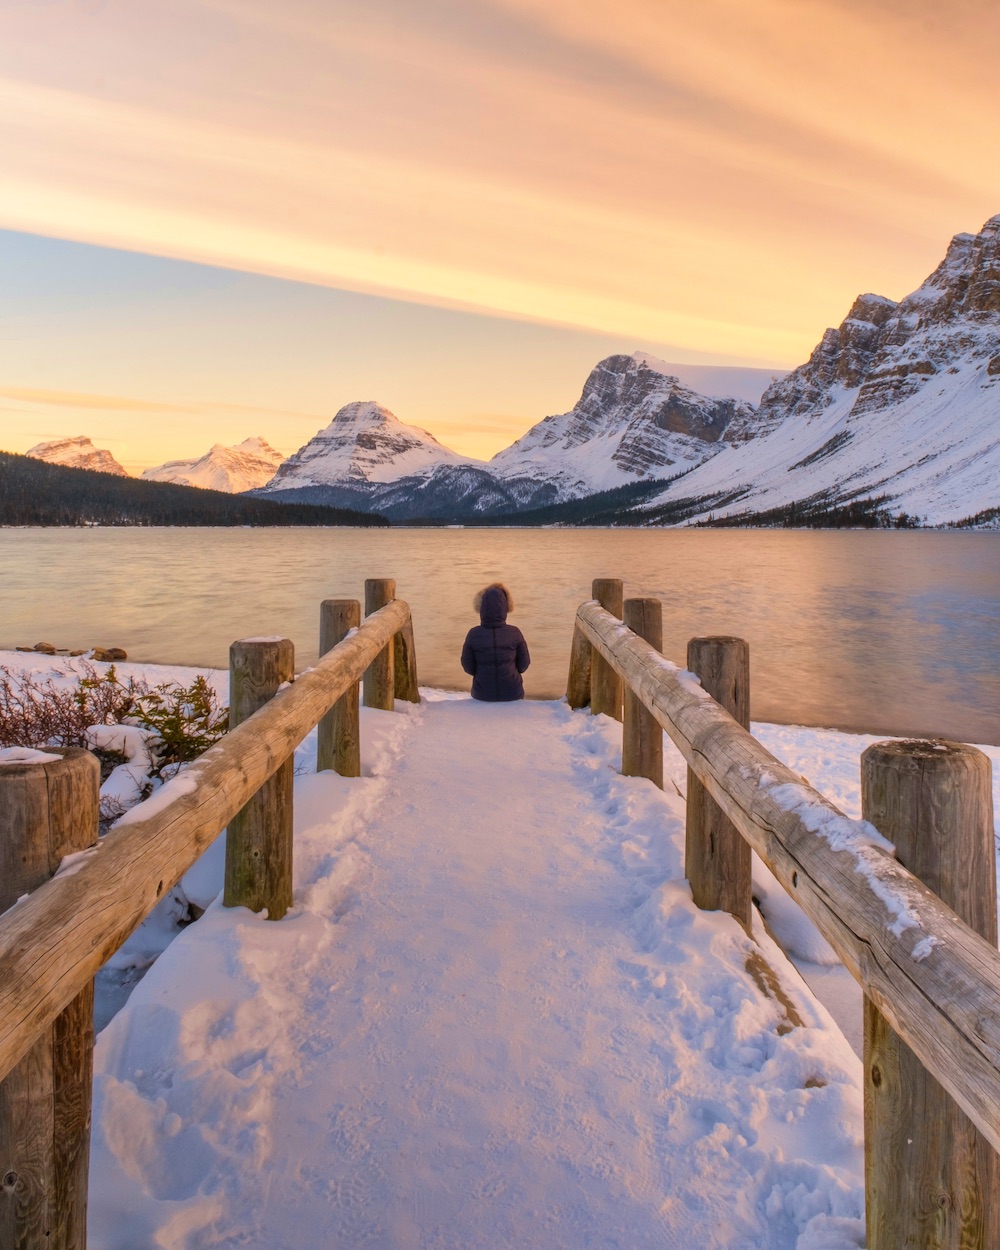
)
(886, 632)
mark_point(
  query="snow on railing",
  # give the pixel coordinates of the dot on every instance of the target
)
(930, 975)
(59, 928)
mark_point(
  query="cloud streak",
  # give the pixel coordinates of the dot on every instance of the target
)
(721, 177)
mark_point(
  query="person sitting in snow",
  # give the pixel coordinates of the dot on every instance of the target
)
(495, 653)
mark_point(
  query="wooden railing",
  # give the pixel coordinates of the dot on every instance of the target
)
(53, 941)
(932, 982)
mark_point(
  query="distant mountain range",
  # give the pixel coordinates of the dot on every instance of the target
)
(895, 418)
(35, 493)
(77, 452)
(249, 464)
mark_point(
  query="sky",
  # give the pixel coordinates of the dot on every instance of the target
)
(221, 218)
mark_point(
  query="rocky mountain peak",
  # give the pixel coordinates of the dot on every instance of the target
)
(363, 443)
(77, 452)
(632, 421)
(889, 350)
(246, 466)
(626, 387)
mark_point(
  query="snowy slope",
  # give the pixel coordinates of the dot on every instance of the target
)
(901, 401)
(364, 443)
(633, 421)
(496, 1021)
(77, 453)
(246, 466)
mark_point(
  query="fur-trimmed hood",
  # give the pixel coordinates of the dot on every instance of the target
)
(493, 603)
(477, 600)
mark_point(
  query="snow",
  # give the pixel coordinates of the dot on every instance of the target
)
(364, 443)
(492, 1017)
(246, 466)
(77, 452)
(127, 781)
(492, 1020)
(24, 755)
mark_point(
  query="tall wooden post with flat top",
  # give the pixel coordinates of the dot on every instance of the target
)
(47, 811)
(717, 858)
(259, 837)
(338, 741)
(379, 680)
(605, 684)
(642, 737)
(930, 1177)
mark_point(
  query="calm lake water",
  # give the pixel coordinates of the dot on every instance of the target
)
(884, 632)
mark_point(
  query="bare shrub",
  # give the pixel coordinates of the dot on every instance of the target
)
(40, 712)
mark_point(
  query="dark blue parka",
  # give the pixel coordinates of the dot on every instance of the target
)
(495, 653)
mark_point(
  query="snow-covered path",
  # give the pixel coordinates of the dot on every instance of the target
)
(493, 1019)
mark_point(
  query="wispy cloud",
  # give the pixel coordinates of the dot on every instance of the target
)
(720, 176)
(76, 400)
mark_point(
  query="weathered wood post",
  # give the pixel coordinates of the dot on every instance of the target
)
(405, 665)
(642, 737)
(47, 811)
(930, 1178)
(259, 837)
(605, 684)
(338, 742)
(379, 682)
(580, 661)
(717, 859)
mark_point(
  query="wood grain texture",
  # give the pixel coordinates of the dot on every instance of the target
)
(72, 1079)
(605, 683)
(405, 665)
(642, 737)
(338, 741)
(578, 681)
(47, 811)
(943, 1002)
(259, 836)
(717, 857)
(928, 1189)
(52, 944)
(380, 682)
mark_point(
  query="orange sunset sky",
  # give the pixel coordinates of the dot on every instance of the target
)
(230, 217)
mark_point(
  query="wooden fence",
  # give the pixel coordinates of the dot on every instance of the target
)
(920, 939)
(54, 940)
(918, 932)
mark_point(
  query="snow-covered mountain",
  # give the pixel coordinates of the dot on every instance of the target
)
(900, 402)
(246, 466)
(634, 421)
(363, 444)
(77, 453)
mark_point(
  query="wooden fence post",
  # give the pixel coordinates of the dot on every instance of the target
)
(930, 1177)
(379, 682)
(580, 662)
(47, 811)
(338, 742)
(642, 737)
(259, 837)
(405, 665)
(717, 858)
(605, 684)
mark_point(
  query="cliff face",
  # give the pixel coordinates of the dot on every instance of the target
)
(77, 453)
(842, 358)
(899, 402)
(632, 421)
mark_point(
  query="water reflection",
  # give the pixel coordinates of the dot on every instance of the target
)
(886, 632)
